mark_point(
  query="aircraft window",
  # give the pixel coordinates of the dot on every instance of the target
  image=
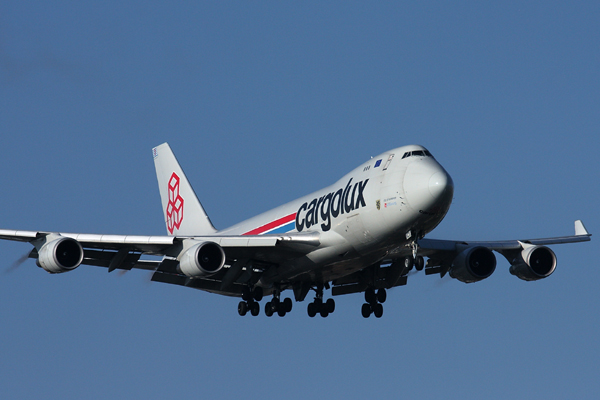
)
(418, 153)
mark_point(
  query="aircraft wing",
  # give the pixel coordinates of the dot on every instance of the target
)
(430, 247)
(443, 254)
(124, 252)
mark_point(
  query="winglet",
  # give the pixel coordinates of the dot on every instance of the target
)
(580, 229)
(184, 215)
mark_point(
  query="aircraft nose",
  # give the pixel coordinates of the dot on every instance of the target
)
(438, 183)
(426, 185)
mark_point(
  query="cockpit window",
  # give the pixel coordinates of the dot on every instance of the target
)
(417, 153)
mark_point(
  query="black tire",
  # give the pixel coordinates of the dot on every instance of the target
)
(330, 305)
(257, 293)
(366, 310)
(370, 296)
(409, 262)
(419, 263)
(281, 312)
(287, 304)
(268, 309)
(246, 293)
(242, 308)
(378, 310)
(312, 310)
(254, 309)
(381, 295)
(324, 313)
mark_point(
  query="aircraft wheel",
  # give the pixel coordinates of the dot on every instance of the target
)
(242, 308)
(312, 309)
(281, 312)
(257, 293)
(268, 309)
(419, 263)
(366, 310)
(370, 296)
(378, 310)
(324, 313)
(409, 262)
(381, 295)
(330, 305)
(254, 308)
(287, 304)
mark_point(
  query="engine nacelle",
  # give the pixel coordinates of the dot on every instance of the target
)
(534, 262)
(60, 255)
(202, 259)
(473, 264)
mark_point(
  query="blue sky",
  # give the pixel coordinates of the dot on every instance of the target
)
(262, 103)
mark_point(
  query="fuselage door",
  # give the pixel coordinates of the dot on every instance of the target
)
(387, 163)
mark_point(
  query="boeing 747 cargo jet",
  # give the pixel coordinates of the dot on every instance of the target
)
(364, 233)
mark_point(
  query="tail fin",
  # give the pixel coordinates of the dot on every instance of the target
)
(184, 215)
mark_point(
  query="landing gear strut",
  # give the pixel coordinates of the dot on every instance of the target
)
(250, 299)
(278, 306)
(374, 302)
(320, 307)
(415, 260)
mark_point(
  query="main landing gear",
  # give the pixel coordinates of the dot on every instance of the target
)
(250, 299)
(374, 301)
(320, 307)
(278, 306)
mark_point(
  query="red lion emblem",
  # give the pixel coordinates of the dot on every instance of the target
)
(175, 206)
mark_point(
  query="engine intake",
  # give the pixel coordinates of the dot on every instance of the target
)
(60, 255)
(202, 259)
(473, 264)
(534, 263)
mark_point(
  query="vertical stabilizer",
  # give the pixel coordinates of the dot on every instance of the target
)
(184, 215)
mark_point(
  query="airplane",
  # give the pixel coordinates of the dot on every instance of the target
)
(364, 233)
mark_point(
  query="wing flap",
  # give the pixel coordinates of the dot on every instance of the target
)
(206, 284)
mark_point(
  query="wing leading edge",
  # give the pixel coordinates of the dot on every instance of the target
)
(431, 246)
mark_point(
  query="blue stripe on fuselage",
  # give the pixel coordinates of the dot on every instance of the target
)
(284, 228)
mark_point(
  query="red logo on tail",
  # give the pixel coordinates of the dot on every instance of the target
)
(175, 206)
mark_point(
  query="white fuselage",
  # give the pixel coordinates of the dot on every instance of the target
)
(387, 202)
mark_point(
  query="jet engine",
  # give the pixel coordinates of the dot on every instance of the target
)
(202, 259)
(60, 255)
(533, 263)
(473, 264)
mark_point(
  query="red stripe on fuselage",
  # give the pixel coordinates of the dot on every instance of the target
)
(272, 225)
